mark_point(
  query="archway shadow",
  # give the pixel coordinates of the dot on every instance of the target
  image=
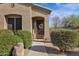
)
(44, 49)
(51, 50)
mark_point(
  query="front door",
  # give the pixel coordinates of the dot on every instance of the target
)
(38, 28)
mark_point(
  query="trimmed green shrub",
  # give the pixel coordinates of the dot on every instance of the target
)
(64, 38)
(6, 32)
(26, 36)
(6, 44)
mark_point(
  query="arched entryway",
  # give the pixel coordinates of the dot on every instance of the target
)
(38, 27)
(14, 22)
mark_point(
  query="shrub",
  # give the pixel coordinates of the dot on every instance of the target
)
(6, 32)
(64, 38)
(26, 36)
(7, 42)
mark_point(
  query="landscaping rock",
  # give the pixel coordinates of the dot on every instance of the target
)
(26, 51)
(18, 50)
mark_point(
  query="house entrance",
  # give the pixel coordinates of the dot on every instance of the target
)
(38, 27)
(14, 22)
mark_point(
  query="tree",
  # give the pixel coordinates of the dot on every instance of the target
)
(55, 21)
(71, 22)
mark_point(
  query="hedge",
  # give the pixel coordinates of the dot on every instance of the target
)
(26, 36)
(64, 38)
(6, 44)
(6, 32)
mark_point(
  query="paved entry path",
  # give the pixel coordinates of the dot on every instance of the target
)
(38, 49)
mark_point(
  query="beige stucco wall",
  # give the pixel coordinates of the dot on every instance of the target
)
(41, 13)
(25, 11)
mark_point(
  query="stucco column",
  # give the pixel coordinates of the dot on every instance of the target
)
(46, 29)
(30, 13)
(26, 23)
(27, 20)
(3, 22)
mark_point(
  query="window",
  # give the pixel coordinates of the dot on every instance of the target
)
(14, 22)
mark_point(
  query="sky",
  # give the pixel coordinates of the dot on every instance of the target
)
(61, 9)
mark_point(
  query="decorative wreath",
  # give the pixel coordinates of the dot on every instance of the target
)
(41, 26)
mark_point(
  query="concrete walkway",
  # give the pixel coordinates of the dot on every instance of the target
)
(38, 49)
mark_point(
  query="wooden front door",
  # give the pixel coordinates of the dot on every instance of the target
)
(38, 28)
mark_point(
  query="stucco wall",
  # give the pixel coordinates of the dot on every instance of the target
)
(27, 12)
(6, 9)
